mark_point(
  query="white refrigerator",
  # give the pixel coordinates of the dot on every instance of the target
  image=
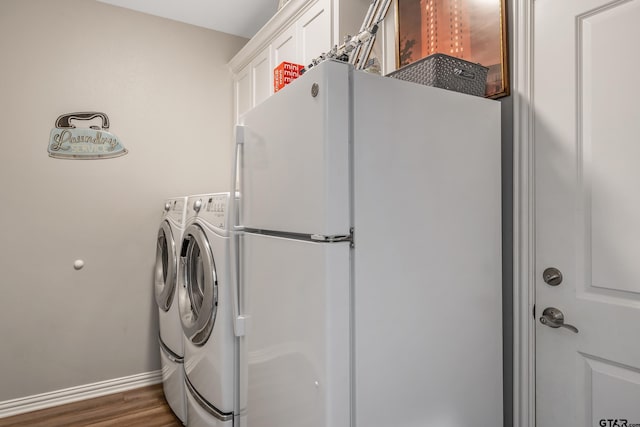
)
(369, 268)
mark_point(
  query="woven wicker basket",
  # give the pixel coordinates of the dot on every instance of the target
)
(446, 72)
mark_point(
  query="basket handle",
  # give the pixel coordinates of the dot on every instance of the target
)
(465, 74)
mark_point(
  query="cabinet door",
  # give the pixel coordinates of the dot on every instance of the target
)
(313, 30)
(285, 47)
(262, 76)
(242, 87)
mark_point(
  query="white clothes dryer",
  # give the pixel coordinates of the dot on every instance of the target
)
(166, 290)
(206, 313)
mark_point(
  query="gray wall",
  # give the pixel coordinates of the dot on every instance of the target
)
(166, 88)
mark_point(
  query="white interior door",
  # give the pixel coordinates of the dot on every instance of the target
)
(587, 157)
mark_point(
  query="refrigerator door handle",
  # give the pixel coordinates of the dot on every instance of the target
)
(235, 231)
(238, 319)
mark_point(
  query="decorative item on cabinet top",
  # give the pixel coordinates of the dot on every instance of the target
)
(446, 72)
(472, 30)
(357, 49)
(285, 73)
(66, 141)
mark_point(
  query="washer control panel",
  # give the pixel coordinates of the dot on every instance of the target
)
(178, 205)
(175, 209)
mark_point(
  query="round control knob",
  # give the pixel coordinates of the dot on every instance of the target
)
(197, 205)
(167, 206)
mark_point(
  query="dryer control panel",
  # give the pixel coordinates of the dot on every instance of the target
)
(217, 206)
(211, 208)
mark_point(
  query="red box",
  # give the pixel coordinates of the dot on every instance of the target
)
(284, 74)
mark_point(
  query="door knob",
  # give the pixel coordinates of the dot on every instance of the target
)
(554, 318)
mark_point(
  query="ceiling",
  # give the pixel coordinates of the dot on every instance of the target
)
(239, 17)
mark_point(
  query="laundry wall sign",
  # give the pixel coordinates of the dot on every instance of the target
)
(67, 141)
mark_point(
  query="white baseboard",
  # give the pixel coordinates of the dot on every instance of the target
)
(75, 394)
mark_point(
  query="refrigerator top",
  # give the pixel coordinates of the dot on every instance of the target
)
(297, 167)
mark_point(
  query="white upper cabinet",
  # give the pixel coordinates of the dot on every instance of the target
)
(298, 33)
(261, 69)
(242, 92)
(313, 31)
(285, 47)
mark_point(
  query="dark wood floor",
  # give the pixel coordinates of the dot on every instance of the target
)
(142, 407)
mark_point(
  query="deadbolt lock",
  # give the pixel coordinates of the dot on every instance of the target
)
(552, 276)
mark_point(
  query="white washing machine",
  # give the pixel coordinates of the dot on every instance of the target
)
(166, 293)
(205, 301)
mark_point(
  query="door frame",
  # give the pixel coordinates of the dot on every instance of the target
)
(524, 409)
